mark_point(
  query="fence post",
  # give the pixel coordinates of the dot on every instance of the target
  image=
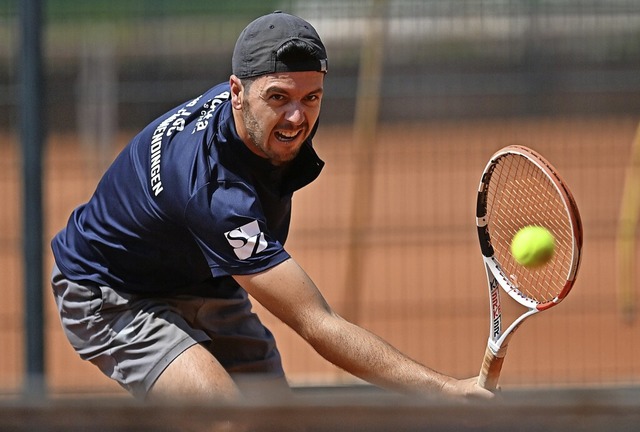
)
(32, 132)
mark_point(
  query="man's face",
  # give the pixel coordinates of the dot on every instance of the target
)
(277, 112)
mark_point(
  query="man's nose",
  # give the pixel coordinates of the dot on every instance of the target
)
(295, 113)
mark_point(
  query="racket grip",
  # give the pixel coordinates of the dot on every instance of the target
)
(490, 372)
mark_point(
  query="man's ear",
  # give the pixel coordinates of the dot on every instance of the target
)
(237, 92)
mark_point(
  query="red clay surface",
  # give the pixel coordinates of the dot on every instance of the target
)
(422, 286)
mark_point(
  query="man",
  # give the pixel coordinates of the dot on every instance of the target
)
(152, 273)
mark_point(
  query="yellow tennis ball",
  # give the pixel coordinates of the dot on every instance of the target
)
(533, 246)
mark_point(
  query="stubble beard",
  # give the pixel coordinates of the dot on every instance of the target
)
(259, 139)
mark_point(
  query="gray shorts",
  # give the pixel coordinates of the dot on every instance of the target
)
(133, 338)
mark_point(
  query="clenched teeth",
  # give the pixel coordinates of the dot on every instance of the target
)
(286, 136)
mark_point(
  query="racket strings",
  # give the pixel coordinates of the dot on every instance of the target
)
(521, 194)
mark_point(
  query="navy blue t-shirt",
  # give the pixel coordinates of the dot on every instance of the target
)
(185, 201)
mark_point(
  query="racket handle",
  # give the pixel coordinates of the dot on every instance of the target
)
(490, 372)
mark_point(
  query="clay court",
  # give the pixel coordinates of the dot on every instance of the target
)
(422, 286)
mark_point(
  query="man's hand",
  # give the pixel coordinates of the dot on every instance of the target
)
(466, 389)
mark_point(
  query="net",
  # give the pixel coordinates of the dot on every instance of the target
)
(358, 409)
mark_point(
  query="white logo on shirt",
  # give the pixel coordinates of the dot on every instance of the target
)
(207, 110)
(246, 240)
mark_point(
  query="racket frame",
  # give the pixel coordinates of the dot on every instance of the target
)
(497, 279)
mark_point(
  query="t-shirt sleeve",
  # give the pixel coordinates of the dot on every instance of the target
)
(228, 224)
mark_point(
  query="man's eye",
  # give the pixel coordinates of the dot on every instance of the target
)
(277, 97)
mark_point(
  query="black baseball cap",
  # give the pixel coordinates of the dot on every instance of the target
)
(255, 50)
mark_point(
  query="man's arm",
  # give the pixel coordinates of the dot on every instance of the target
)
(288, 293)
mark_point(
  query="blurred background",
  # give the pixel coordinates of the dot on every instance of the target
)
(419, 95)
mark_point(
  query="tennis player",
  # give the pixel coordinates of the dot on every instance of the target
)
(152, 274)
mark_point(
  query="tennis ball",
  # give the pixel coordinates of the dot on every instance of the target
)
(533, 246)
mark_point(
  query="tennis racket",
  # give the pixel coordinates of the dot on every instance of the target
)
(520, 188)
